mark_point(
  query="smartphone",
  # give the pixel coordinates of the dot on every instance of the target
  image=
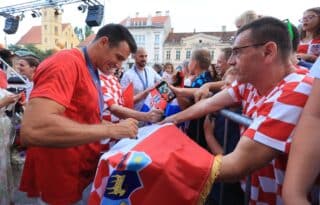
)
(165, 91)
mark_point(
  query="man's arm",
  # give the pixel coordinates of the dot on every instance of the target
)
(304, 164)
(44, 125)
(183, 92)
(125, 81)
(123, 113)
(201, 108)
(183, 95)
(307, 57)
(212, 142)
(248, 156)
(204, 90)
(141, 96)
(6, 100)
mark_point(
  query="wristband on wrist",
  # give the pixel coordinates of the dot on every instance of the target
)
(215, 171)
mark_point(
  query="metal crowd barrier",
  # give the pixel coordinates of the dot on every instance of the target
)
(245, 121)
(11, 72)
(241, 120)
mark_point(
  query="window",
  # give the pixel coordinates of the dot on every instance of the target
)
(212, 54)
(45, 27)
(140, 40)
(178, 52)
(56, 30)
(168, 53)
(45, 40)
(188, 54)
(157, 39)
(156, 57)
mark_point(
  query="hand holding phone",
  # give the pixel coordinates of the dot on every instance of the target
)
(165, 91)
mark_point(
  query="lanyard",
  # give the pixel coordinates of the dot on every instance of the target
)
(95, 78)
(145, 84)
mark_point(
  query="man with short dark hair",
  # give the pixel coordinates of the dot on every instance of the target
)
(62, 125)
(141, 76)
(273, 94)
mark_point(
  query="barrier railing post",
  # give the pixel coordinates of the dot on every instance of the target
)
(225, 142)
(245, 121)
(8, 68)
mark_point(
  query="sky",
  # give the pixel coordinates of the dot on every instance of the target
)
(186, 15)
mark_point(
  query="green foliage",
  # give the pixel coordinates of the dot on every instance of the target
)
(38, 52)
(88, 31)
(79, 32)
(14, 48)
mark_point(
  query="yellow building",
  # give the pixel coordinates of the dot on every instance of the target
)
(52, 34)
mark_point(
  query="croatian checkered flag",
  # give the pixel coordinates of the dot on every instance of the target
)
(162, 166)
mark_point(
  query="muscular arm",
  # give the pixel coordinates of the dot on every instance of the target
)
(183, 95)
(203, 107)
(215, 86)
(184, 92)
(242, 161)
(204, 90)
(304, 164)
(123, 112)
(44, 125)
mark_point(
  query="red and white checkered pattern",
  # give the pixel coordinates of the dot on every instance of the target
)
(275, 116)
(112, 94)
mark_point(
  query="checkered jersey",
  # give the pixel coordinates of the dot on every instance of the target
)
(275, 116)
(112, 94)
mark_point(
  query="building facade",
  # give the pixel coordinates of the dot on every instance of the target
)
(155, 34)
(52, 34)
(150, 33)
(178, 46)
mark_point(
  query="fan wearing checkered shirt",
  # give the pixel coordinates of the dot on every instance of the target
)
(114, 107)
(273, 93)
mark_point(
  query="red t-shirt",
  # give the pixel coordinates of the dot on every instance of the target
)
(59, 175)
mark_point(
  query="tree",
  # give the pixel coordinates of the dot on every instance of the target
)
(31, 48)
(14, 48)
(87, 31)
(79, 32)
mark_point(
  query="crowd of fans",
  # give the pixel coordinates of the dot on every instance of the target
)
(77, 108)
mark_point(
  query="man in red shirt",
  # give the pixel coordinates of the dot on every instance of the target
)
(273, 93)
(62, 124)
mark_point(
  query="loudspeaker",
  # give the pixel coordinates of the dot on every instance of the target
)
(11, 25)
(95, 15)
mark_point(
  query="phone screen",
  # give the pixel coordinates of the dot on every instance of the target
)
(165, 91)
